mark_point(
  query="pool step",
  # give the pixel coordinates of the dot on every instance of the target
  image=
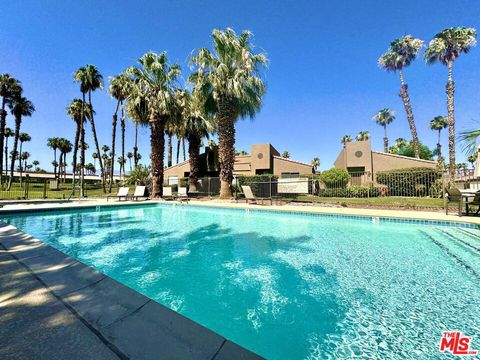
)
(464, 254)
(464, 238)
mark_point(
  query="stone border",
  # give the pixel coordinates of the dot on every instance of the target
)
(129, 323)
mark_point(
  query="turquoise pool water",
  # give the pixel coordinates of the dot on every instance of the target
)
(286, 286)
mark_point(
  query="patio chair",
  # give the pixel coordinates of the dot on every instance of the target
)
(475, 202)
(121, 194)
(454, 196)
(167, 193)
(139, 192)
(250, 198)
(182, 194)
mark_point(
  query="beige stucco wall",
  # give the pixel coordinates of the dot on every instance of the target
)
(281, 165)
(243, 165)
(382, 162)
(178, 170)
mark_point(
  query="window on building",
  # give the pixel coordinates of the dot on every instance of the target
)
(289, 175)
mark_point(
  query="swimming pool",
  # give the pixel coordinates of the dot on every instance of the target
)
(286, 286)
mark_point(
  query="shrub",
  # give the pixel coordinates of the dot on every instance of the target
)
(335, 178)
(408, 182)
(354, 191)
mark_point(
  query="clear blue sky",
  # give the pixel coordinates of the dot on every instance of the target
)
(323, 79)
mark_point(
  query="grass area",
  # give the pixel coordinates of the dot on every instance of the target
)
(37, 191)
(406, 202)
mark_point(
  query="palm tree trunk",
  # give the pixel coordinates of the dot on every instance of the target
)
(157, 142)
(183, 148)
(385, 140)
(178, 150)
(75, 151)
(18, 121)
(122, 123)
(114, 130)
(55, 163)
(170, 150)
(439, 145)
(6, 156)
(94, 131)
(408, 109)
(3, 123)
(135, 149)
(20, 163)
(193, 153)
(82, 148)
(226, 149)
(450, 90)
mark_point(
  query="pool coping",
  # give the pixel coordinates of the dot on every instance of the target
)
(403, 216)
(127, 322)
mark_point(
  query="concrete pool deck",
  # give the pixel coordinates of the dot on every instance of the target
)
(55, 307)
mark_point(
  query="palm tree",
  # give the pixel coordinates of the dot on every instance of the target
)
(438, 123)
(446, 47)
(401, 54)
(232, 72)
(9, 89)
(286, 154)
(469, 139)
(79, 111)
(65, 147)
(383, 118)
(95, 158)
(363, 136)
(196, 124)
(129, 156)
(346, 139)
(119, 88)
(52, 143)
(36, 163)
(315, 163)
(7, 134)
(23, 138)
(20, 107)
(472, 159)
(153, 88)
(90, 80)
(24, 157)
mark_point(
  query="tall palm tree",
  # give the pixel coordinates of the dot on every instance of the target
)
(233, 78)
(95, 158)
(129, 156)
(438, 123)
(472, 159)
(315, 163)
(23, 138)
(65, 147)
(363, 136)
(36, 163)
(346, 139)
(20, 107)
(90, 80)
(7, 134)
(383, 118)
(9, 89)
(446, 47)
(196, 125)
(154, 80)
(53, 144)
(79, 111)
(400, 55)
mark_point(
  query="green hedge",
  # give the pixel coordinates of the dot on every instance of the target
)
(260, 184)
(353, 191)
(409, 181)
(335, 178)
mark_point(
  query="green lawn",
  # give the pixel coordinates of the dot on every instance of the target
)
(36, 191)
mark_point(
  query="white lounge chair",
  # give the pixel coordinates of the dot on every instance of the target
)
(139, 192)
(249, 197)
(121, 194)
(167, 193)
(182, 194)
